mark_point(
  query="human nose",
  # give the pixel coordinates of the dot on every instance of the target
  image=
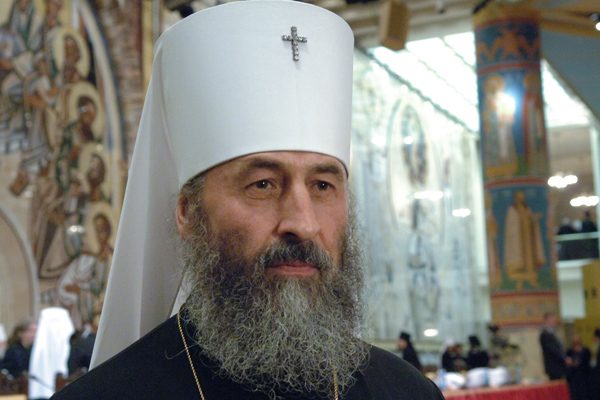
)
(298, 221)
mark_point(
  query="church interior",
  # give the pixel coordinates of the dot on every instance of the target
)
(475, 171)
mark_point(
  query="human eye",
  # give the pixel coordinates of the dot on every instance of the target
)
(261, 189)
(323, 186)
(262, 184)
(324, 189)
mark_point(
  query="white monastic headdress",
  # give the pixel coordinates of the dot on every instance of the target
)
(232, 80)
(50, 351)
(3, 339)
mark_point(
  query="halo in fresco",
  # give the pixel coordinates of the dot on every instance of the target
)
(85, 89)
(93, 229)
(93, 173)
(62, 39)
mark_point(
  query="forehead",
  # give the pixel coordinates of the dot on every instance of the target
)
(284, 161)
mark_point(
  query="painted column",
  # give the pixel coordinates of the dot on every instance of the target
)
(521, 256)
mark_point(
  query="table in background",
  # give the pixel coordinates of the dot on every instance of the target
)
(555, 390)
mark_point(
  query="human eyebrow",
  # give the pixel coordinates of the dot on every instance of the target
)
(258, 163)
(329, 168)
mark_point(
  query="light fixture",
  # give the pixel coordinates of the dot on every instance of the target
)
(560, 181)
(584, 201)
(430, 332)
(75, 229)
(595, 17)
(461, 212)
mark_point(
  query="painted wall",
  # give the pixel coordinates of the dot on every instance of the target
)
(62, 158)
(413, 173)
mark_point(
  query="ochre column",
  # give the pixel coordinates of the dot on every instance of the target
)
(521, 256)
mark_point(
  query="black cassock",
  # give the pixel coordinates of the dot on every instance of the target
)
(156, 367)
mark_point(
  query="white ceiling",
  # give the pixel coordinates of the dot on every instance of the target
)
(443, 69)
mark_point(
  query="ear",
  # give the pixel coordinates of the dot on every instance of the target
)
(181, 216)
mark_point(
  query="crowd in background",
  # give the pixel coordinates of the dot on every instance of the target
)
(43, 352)
(575, 363)
(579, 365)
(579, 248)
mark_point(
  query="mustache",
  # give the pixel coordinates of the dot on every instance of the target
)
(288, 252)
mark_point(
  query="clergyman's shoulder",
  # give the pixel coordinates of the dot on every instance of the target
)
(136, 370)
(383, 360)
(390, 377)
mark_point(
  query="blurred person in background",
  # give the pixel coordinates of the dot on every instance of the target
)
(409, 353)
(82, 344)
(477, 357)
(50, 352)
(578, 369)
(16, 359)
(452, 358)
(595, 380)
(587, 223)
(589, 246)
(552, 349)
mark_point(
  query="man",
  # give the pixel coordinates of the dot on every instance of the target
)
(245, 140)
(17, 356)
(82, 345)
(579, 369)
(452, 358)
(595, 379)
(477, 357)
(552, 349)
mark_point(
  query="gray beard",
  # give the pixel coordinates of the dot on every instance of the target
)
(276, 335)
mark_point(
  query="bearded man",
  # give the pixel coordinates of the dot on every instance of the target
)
(245, 140)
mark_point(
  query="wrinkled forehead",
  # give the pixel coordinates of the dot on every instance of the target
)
(287, 162)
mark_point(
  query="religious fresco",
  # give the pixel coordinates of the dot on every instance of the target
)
(413, 166)
(523, 254)
(61, 148)
(515, 166)
(412, 169)
(513, 128)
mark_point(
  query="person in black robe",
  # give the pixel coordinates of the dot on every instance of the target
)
(82, 345)
(588, 224)
(409, 354)
(578, 370)
(595, 373)
(259, 206)
(477, 357)
(453, 359)
(16, 358)
(552, 349)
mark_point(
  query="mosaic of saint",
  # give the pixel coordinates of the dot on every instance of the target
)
(54, 131)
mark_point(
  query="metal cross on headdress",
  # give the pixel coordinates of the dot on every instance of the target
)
(295, 39)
